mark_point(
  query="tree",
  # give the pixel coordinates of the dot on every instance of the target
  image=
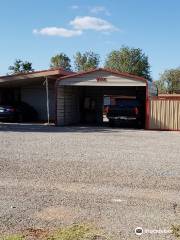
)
(86, 61)
(27, 66)
(130, 60)
(21, 67)
(169, 81)
(160, 86)
(61, 60)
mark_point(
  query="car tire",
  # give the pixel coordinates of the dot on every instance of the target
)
(11, 119)
(111, 123)
(20, 118)
(139, 124)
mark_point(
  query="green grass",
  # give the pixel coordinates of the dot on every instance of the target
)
(74, 232)
(12, 237)
(77, 232)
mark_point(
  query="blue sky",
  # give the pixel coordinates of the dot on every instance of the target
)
(35, 30)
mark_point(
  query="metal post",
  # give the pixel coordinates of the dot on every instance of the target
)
(47, 99)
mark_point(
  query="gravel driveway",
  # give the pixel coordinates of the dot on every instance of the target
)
(116, 179)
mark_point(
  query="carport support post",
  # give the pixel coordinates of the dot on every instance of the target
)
(47, 99)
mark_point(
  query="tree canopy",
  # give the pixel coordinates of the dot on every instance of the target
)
(21, 67)
(130, 60)
(86, 61)
(61, 60)
(169, 81)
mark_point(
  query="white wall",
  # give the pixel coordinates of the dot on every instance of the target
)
(110, 80)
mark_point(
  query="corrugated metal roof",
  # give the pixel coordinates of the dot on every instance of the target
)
(36, 74)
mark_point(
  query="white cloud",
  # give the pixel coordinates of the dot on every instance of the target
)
(92, 23)
(79, 24)
(100, 9)
(75, 7)
(55, 31)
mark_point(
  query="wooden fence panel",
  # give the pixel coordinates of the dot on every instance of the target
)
(164, 114)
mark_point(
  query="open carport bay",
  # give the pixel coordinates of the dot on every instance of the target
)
(33, 88)
(80, 97)
(85, 105)
(33, 94)
(113, 178)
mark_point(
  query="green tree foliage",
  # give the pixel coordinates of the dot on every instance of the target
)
(21, 67)
(160, 86)
(169, 81)
(86, 61)
(130, 60)
(61, 60)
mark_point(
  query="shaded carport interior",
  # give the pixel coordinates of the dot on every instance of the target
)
(31, 89)
(74, 89)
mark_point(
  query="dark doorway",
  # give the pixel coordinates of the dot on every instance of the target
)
(10, 95)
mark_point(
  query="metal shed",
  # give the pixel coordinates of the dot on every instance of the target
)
(73, 92)
(31, 89)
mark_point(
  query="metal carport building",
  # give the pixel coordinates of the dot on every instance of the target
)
(74, 90)
(31, 89)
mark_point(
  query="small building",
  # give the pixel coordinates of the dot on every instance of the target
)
(31, 88)
(80, 96)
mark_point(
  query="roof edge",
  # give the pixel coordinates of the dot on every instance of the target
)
(123, 74)
(61, 71)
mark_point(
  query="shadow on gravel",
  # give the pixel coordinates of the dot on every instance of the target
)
(33, 127)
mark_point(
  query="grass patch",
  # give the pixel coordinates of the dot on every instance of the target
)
(77, 232)
(12, 237)
(74, 232)
(176, 230)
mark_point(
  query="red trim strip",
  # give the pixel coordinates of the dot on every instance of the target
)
(147, 122)
(55, 89)
(166, 98)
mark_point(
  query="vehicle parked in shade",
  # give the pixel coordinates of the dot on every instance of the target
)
(17, 112)
(125, 112)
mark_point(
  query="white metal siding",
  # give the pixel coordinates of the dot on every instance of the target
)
(68, 105)
(91, 80)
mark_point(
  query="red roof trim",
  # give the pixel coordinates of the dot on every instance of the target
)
(61, 71)
(127, 75)
(165, 98)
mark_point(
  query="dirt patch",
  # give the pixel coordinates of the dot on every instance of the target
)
(32, 234)
(58, 213)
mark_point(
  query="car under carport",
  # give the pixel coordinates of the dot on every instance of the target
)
(73, 92)
(32, 88)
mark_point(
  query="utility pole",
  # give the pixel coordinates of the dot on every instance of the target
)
(47, 99)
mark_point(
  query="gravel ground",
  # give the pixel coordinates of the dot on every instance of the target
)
(116, 179)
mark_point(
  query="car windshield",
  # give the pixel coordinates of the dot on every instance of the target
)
(127, 103)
